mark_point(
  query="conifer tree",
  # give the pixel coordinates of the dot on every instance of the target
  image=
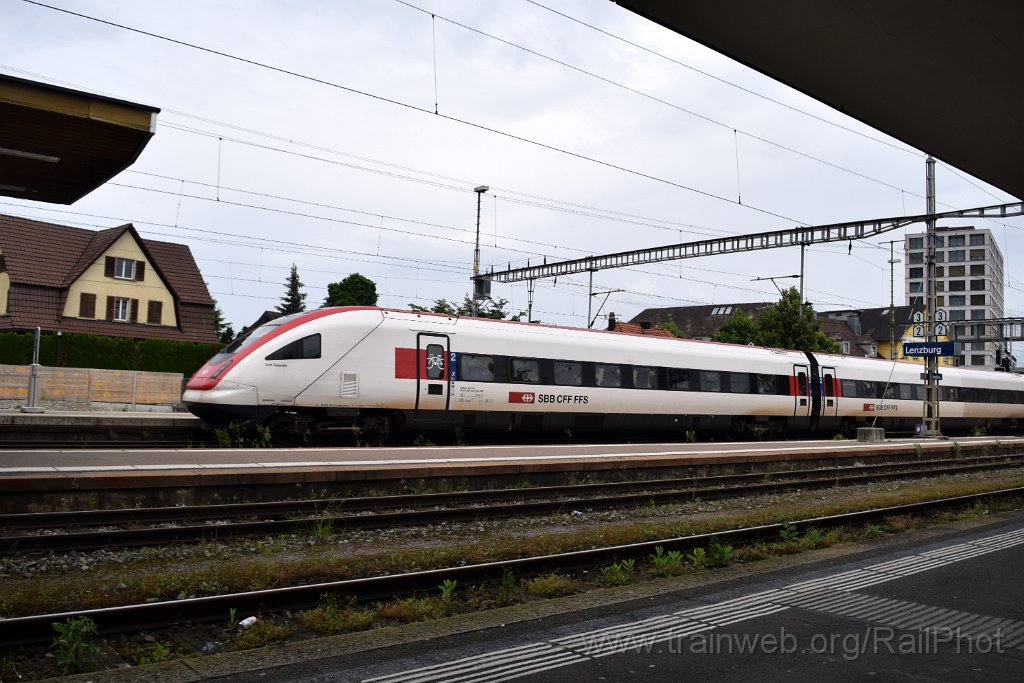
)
(294, 299)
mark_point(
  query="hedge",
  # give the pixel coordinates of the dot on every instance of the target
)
(109, 353)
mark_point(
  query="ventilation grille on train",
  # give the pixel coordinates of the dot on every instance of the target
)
(349, 384)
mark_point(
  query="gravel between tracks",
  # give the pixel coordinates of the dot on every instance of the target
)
(104, 575)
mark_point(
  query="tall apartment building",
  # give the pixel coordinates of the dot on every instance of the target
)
(968, 281)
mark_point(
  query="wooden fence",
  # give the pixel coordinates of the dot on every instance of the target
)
(85, 386)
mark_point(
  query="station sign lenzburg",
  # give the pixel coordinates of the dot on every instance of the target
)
(928, 349)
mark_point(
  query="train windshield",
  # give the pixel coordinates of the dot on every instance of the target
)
(250, 337)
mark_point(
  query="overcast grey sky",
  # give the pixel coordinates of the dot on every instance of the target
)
(341, 165)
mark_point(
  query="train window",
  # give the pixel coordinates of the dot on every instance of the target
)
(949, 394)
(869, 390)
(644, 377)
(525, 370)
(607, 375)
(476, 368)
(678, 379)
(906, 392)
(710, 380)
(918, 392)
(307, 347)
(739, 383)
(568, 373)
(890, 391)
(850, 388)
(435, 361)
(767, 384)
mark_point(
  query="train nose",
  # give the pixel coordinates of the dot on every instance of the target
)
(228, 402)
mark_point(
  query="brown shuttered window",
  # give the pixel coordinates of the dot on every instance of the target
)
(87, 306)
(110, 308)
(108, 266)
(140, 270)
(154, 315)
(133, 310)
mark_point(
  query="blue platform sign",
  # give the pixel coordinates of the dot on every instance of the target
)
(928, 348)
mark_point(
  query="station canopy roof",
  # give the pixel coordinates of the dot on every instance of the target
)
(58, 145)
(942, 76)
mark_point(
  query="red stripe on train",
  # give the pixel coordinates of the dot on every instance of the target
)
(405, 363)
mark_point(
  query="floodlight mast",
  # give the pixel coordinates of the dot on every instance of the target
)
(479, 189)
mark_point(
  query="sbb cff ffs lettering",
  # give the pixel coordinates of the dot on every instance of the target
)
(562, 398)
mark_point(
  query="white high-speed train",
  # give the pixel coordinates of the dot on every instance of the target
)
(397, 371)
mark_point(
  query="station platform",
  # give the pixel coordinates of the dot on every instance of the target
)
(96, 418)
(111, 477)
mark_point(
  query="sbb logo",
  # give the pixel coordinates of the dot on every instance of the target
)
(521, 397)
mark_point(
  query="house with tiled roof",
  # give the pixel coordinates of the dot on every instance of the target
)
(697, 322)
(107, 282)
(646, 328)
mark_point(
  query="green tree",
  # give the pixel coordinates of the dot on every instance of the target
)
(789, 324)
(225, 332)
(671, 328)
(740, 328)
(294, 299)
(496, 310)
(354, 290)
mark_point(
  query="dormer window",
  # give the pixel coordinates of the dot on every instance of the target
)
(124, 269)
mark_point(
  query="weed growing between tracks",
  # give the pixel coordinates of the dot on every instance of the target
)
(171, 573)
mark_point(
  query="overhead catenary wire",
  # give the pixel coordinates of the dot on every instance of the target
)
(417, 108)
(648, 96)
(661, 227)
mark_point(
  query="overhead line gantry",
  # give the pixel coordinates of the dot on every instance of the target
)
(792, 237)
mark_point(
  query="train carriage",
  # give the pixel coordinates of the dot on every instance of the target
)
(386, 371)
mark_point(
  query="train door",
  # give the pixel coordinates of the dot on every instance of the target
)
(435, 370)
(829, 395)
(799, 385)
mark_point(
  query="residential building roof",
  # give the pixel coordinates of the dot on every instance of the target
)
(44, 259)
(697, 322)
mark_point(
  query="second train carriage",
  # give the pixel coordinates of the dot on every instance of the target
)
(387, 370)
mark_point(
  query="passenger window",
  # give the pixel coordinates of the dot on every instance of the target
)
(767, 384)
(435, 361)
(869, 389)
(476, 368)
(568, 373)
(710, 380)
(678, 379)
(607, 375)
(307, 347)
(890, 392)
(525, 370)
(739, 383)
(645, 378)
(906, 392)
(849, 388)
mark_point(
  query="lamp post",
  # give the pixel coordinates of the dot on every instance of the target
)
(479, 189)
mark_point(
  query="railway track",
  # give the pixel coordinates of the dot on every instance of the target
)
(133, 618)
(96, 529)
